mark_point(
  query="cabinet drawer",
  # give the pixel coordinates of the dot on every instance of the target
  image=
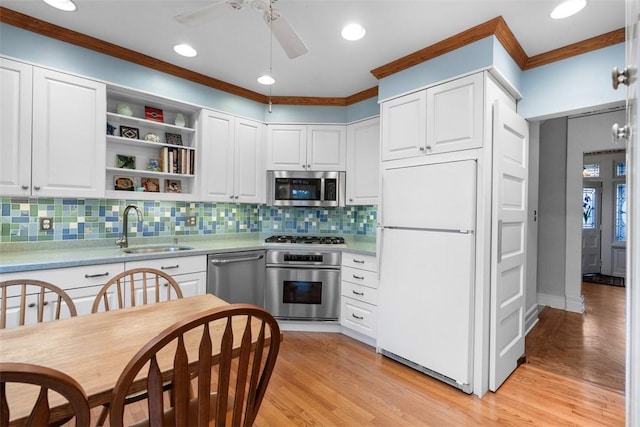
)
(360, 277)
(173, 266)
(365, 262)
(361, 293)
(359, 316)
(72, 277)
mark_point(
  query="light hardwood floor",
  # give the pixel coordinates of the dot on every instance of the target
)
(588, 346)
(326, 379)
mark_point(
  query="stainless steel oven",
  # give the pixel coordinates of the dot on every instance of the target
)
(303, 284)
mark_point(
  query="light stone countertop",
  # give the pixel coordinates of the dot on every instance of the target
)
(16, 257)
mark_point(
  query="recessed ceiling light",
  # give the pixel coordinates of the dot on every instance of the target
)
(185, 50)
(353, 32)
(66, 5)
(266, 79)
(568, 8)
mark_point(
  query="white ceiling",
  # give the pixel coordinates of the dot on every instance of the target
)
(235, 47)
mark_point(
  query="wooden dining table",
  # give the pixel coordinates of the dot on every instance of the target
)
(93, 349)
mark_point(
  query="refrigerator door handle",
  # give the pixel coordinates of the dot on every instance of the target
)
(499, 241)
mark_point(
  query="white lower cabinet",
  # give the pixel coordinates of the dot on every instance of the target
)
(359, 294)
(190, 272)
(82, 284)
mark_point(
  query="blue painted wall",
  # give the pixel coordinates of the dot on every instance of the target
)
(571, 85)
(471, 57)
(575, 84)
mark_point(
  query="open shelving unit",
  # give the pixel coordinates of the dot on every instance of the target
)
(152, 159)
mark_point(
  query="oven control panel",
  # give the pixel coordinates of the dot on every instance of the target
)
(303, 258)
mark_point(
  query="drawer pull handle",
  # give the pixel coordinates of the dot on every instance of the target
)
(358, 261)
(91, 276)
(170, 267)
(358, 317)
(33, 304)
(358, 277)
(358, 293)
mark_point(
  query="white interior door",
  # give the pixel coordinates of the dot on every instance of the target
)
(591, 227)
(508, 243)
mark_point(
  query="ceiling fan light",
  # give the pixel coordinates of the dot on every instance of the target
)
(353, 32)
(185, 50)
(66, 5)
(266, 80)
(568, 8)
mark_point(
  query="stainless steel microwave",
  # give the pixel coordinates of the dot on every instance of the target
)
(305, 188)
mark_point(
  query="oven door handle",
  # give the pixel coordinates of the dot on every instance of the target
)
(232, 260)
(303, 267)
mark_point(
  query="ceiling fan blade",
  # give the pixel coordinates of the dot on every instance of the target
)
(207, 13)
(291, 43)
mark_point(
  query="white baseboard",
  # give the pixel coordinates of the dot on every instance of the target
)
(575, 305)
(553, 301)
(531, 318)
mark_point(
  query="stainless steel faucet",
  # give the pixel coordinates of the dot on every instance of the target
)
(122, 241)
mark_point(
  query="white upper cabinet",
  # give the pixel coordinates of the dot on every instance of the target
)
(454, 115)
(15, 128)
(404, 126)
(363, 162)
(232, 167)
(69, 133)
(53, 133)
(441, 119)
(326, 148)
(306, 147)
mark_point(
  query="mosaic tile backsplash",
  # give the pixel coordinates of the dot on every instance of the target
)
(84, 219)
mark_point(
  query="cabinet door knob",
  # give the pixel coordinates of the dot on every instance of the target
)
(25, 187)
(36, 187)
(231, 196)
(620, 76)
(620, 134)
(422, 148)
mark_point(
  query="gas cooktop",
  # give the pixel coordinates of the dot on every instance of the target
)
(312, 240)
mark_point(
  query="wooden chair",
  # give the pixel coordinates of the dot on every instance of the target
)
(240, 370)
(47, 379)
(128, 283)
(21, 288)
(125, 286)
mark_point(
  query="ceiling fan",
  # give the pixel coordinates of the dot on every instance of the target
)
(291, 43)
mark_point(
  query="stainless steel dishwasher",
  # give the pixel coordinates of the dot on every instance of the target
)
(237, 277)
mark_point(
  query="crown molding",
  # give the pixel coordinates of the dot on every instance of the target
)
(594, 43)
(495, 27)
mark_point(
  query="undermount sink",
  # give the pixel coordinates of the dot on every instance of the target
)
(156, 249)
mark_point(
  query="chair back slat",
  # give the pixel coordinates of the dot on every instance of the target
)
(154, 390)
(241, 376)
(245, 363)
(47, 379)
(21, 289)
(127, 285)
(204, 375)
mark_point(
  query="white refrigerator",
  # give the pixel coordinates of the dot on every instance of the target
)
(427, 252)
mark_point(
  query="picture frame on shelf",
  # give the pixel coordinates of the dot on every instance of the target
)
(129, 132)
(123, 183)
(151, 185)
(172, 186)
(125, 162)
(155, 114)
(173, 138)
(154, 165)
(111, 129)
